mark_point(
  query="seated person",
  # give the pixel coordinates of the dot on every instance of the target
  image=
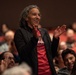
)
(69, 58)
(6, 61)
(23, 69)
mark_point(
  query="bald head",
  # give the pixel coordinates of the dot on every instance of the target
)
(9, 35)
(70, 33)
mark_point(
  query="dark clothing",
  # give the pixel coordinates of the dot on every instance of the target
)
(26, 45)
(63, 71)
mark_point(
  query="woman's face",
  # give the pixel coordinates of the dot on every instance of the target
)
(34, 17)
(69, 60)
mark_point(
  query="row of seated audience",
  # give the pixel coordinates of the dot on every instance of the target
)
(63, 62)
(9, 66)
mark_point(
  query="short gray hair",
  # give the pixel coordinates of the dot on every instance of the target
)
(18, 70)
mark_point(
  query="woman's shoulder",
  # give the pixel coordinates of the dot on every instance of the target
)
(43, 29)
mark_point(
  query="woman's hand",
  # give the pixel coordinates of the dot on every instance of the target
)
(59, 30)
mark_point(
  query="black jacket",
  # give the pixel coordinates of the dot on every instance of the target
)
(26, 45)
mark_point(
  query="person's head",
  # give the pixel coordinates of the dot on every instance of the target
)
(69, 58)
(8, 57)
(74, 26)
(9, 35)
(4, 28)
(27, 68)
(19, 70)
(70, 34)
(63, 45)
(31, 15)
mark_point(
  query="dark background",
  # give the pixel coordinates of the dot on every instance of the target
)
(54, 12)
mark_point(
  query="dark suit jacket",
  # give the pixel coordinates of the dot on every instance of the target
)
(26, 45)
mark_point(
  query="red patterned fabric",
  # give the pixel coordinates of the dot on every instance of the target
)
(43, 65)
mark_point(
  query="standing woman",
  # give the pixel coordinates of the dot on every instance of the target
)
(34, 45)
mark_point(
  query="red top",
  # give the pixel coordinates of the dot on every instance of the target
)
(43, 65)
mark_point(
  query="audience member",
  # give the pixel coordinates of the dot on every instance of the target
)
(6, 61)
(9, 36)
(70, 38)
(62, 45)
(23, 69)
(69, 57)
(74, 26)
(4, 28)
(74, 47)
